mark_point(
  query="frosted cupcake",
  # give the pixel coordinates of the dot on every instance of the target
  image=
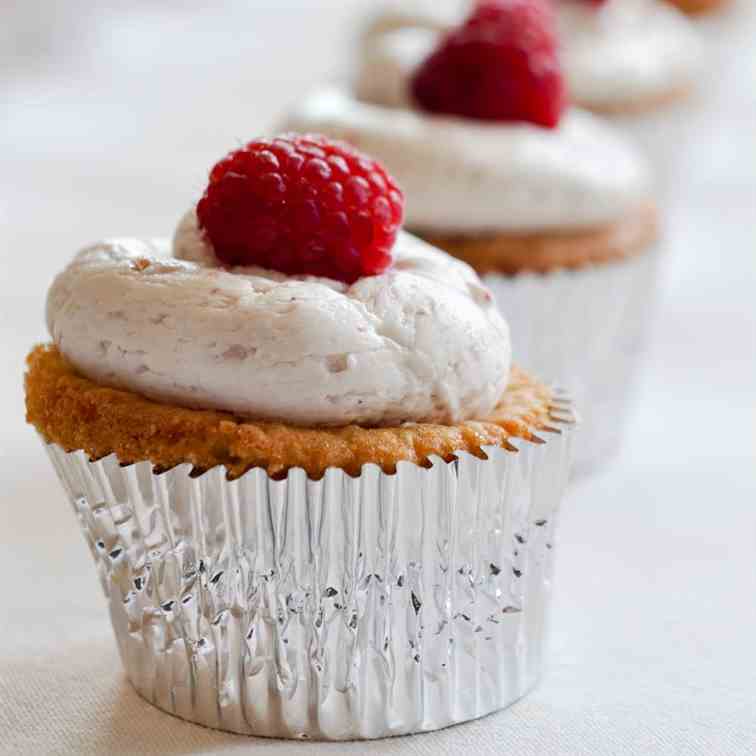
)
(546, 202)
(320, 498)
(633, 61)
(636, 62)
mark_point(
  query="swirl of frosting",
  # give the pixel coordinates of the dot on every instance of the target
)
(628, 53)
(461, 175)
(422, 342)
(623, 55)
(431, 14)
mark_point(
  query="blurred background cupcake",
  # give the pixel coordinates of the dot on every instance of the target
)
(635, 62)
(547, 202)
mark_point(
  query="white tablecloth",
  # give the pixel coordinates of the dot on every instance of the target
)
(108, 120)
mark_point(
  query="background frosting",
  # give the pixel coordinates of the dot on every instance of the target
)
(432, 14)
(461, 175)
(626, 53)
(422, 342)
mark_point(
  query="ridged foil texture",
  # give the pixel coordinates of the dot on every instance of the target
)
(586, 329)
(341, 608)
(661, 133)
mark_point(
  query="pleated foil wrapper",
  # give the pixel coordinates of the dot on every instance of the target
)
(662, 135)
(332, 609)
(586, 329)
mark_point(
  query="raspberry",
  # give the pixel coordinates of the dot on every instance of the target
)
(302, 205)
(501, 64)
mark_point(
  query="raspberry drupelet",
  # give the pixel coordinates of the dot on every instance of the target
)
(302, 205)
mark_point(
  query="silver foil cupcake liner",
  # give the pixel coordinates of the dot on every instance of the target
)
(340, 608)
(662, 135)
(587, 330)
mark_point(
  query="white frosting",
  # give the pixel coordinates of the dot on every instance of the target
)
(388, 62)
(626, 53)
(432, 14)
(422, 342)
(461, 175)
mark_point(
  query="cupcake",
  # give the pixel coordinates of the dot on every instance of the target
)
(634, 62)
(546, 202)
(320, 498)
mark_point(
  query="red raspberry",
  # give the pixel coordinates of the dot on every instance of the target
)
(500, 65)
(302, 205)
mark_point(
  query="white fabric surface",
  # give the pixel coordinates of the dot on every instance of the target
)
(108, 119)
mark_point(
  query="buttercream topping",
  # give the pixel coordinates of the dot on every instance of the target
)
(461, 175)
(421, 342)
(627, 52)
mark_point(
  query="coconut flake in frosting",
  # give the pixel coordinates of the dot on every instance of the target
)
(626, 53)
(422, 342)
(461, 175)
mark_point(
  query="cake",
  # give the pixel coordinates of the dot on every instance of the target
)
(311, 478)
(695, 7)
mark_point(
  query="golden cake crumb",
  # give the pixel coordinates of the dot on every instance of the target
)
(544, 251)
(699, 6)
(76, 413)
(642, 104)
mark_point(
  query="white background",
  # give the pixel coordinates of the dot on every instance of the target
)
(109, 119)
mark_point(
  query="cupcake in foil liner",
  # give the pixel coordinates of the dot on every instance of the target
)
(586, 328)
(339, 608)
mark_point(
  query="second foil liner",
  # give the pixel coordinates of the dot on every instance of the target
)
(586, 329)
(340, 608)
